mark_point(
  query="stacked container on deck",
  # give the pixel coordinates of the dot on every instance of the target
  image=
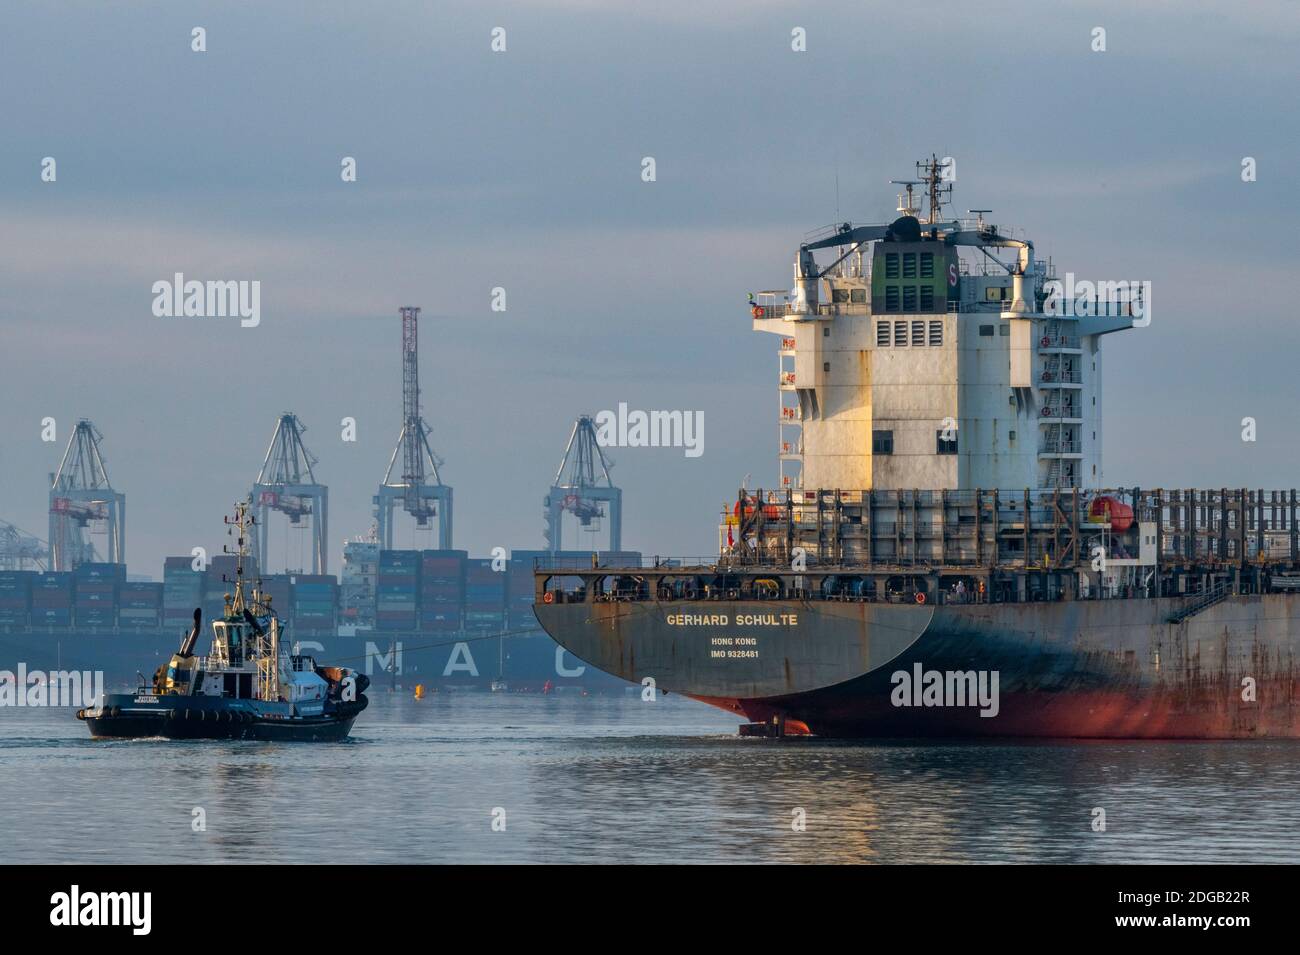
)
(95, 592)
(442, 589)
(519, 589)
(397, 591)
(315, 603)
(140, 605)
(52, 601)
(15, 598)
(485, 595)
(182, 592)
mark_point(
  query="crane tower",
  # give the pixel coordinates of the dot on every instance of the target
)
(287, 484)
(419, 490)
(82, 502)
(578, 489)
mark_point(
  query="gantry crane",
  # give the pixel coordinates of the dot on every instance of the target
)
(82, 502)
(577, 489)
(20, 550)
(287, 484)
(420, 490)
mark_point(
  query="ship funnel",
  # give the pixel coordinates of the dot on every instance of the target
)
(191, 638)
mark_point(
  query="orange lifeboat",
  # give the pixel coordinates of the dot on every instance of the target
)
(1109, 509)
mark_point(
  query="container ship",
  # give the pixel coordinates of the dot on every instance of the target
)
(941, 556)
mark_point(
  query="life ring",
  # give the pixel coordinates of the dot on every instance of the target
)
(757, 311)
(548, 598)
(1045, 341)
(920, 597)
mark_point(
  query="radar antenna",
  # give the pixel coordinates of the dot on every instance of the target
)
(907, 205)
(937, 178)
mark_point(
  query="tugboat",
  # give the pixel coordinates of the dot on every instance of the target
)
(247, 687)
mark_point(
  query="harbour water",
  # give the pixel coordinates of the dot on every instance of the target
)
(614, 779)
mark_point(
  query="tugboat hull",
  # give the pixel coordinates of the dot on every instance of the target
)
(128, 717)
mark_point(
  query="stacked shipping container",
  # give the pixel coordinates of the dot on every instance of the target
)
(397, 591)
(519, 589)
(15, 598)
(182, 591)
(315, 603)
(485, 595)
(95, 595)
(140, 605)
(52, 601)
(442, 589)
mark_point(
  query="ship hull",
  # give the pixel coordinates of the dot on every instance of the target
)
(145, 728)
(180, 718)
(1069, 669)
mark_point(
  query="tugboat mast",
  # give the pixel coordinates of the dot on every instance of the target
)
(242, 520)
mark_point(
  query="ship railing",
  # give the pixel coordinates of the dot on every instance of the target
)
(996, 307)
(1051, 376)
(1059, 341)
(615, 562)
(788, 310)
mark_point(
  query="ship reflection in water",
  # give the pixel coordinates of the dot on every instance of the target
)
(613, 779)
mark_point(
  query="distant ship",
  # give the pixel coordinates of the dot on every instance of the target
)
(247, 687)
(941, 558)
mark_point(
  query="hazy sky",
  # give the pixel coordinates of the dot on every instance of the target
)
(522, 170)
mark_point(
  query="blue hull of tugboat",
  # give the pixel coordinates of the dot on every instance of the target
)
(124, 716)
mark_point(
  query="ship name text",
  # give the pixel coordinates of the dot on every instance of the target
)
(725, 620)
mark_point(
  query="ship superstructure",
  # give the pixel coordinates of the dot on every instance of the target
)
(923, 355)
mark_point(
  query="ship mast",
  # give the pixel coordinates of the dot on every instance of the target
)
(933, 175)
(242, 520)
